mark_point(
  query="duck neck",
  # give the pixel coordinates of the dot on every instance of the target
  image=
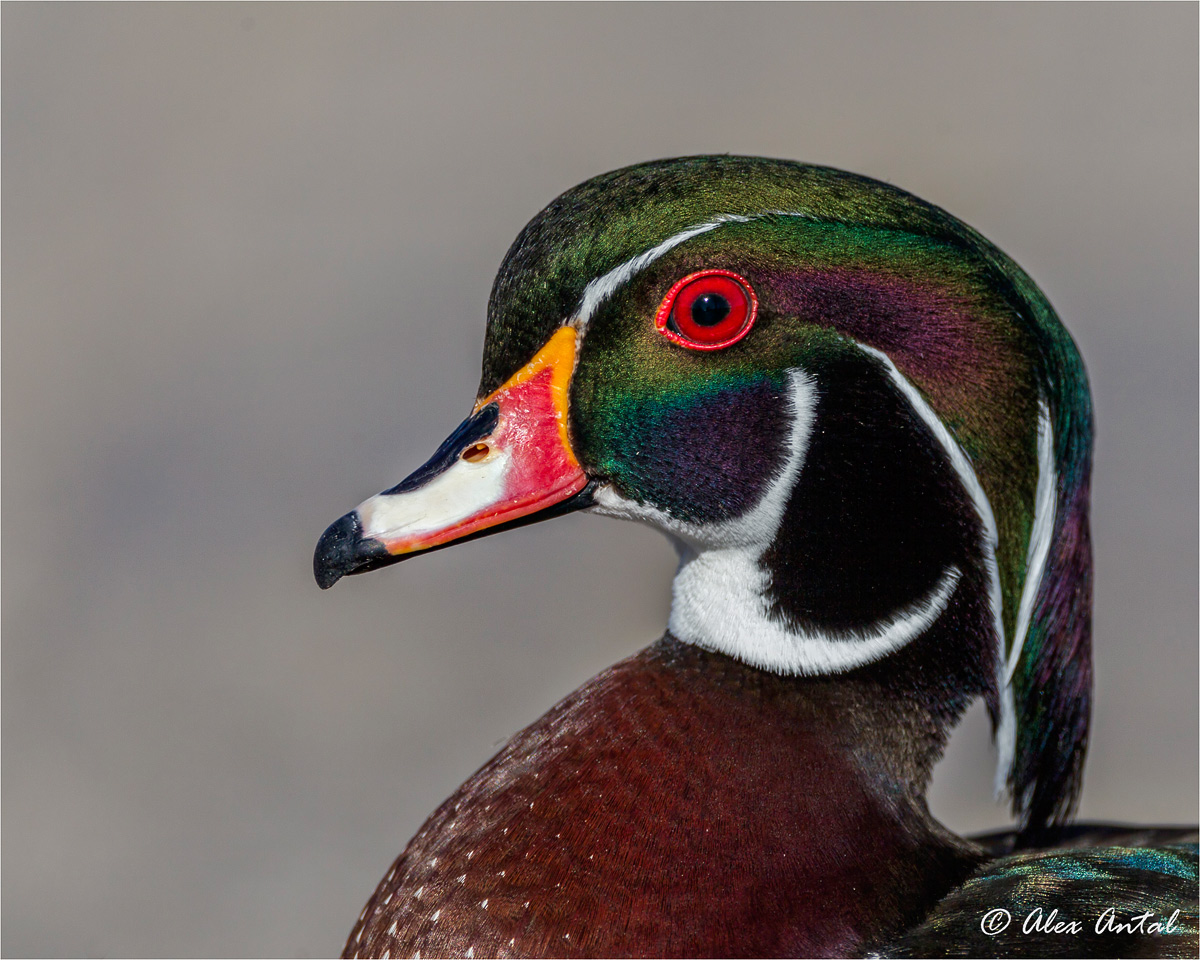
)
(819, 782)
(893, 718)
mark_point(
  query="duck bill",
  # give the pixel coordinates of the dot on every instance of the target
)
(507, 464)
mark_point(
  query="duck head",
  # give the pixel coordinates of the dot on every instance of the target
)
(863, 426)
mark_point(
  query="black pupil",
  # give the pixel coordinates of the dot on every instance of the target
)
(709, 309)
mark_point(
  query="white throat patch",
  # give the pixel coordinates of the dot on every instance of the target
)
(719, 594)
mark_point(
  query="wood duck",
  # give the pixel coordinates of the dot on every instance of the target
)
(868, 435)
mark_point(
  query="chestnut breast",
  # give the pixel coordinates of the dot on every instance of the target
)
(680, 803)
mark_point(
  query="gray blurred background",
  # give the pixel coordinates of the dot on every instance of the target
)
(247, 251)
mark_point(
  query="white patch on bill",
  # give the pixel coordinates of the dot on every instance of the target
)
(455, 495)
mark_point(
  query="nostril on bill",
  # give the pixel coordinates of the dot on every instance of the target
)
(477, 452)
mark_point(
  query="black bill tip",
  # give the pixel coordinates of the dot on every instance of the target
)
(343, 550)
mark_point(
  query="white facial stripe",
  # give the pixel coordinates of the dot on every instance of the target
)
(449, 498)
(720, 589)
(1039, 538)
(600, 289)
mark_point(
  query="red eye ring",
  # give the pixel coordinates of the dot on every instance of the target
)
(707, 310)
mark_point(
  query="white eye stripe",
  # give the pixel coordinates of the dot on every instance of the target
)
(601, 288)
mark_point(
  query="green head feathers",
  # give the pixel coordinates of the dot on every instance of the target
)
(928, 411)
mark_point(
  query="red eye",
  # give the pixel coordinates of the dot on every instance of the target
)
(707, 310)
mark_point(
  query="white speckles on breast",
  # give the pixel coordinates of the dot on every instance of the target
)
(436, 914)
(387, 899)
(483, 903)
(462, 878)
(471, 952)
(470, 854)
(392, 929)
(503, 872)
(387, 954)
